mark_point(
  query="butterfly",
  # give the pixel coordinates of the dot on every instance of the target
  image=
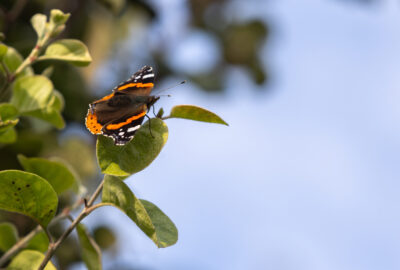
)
(120, 114)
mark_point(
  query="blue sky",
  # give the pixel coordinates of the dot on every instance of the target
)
(306, 176)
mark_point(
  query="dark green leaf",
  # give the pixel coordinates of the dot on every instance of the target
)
(31, 93)
(28, 194)
(8, 236)
(195, 113)
(55, 172)
(150, 219)
(29, 260)
(38, 22)
(70, 50)
(91, 253)
(104, 237)
(135, 155)
(39, 242)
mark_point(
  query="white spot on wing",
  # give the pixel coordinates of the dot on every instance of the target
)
(148, 76)
(131, 129)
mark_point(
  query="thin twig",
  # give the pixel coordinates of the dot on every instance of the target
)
(53, 247)
(25, 240)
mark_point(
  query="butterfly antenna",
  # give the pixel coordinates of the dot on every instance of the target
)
(163, 90)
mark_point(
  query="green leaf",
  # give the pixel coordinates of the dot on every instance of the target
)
(91, 253)
(58, 17)
(12, 60)
(51, 113)
(8, 236)
(29, 260)
(104, 237)
(38, 22)
(149, 218)
(195, 113)
(55, 172)
(7, 116)
(31, 93)
(135, 155)
(7, 111)
(8, 136)
(28, 194)
(39, 242)
(166, 230)
(70, 50)
(3, 50)
(48, 71)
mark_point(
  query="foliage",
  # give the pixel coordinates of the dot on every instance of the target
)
(40, 190)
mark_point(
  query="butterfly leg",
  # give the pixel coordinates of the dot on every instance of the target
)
(150, 126)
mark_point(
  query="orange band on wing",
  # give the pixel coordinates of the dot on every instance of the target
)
(104, 98)
(91, 123)
(128, 121)
(138, 85)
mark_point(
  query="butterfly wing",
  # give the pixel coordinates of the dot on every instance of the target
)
(120, 114)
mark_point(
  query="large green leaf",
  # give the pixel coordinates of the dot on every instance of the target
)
(70, 50)
(29, 260)
(12, 60)
(28, 194)
(31, 93)
(150, 219)
(195, 113)
(55, 172)
(135, 155)
(91, 253)
(8, 236)
(39, 242)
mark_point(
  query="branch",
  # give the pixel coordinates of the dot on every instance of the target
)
(23, 242)
(86, 211)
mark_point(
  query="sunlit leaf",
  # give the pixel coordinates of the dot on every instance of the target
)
(8, 236)
(148, 217)
(29, 260)
(70, 50)
(91, 253)
(38, 22)
(135, 155)
(51, 113)
(195, 113)
(55, 172)
(39, 242)
(31, 93)
(28, 194)
(12, 60)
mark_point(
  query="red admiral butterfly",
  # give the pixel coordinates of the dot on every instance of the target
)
(120, 114)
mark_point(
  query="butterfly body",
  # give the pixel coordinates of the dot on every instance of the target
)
(120, 114)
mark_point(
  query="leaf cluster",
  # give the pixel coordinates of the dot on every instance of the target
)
(35, 192)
